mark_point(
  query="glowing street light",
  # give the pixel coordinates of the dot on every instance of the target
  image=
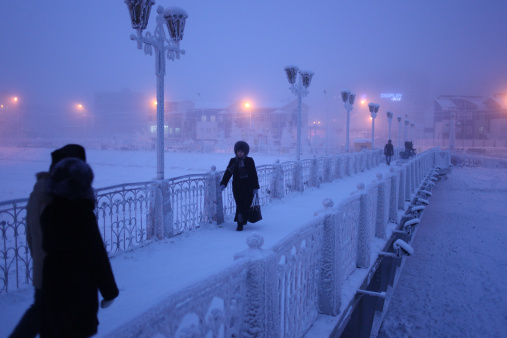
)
(348, 102)
(175, 19)
(299, 89)
(373, 107)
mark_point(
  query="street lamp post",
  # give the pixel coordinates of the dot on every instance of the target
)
(407, 122)
(389, 120)
(412, 130)
(174, 18)
(300, 89)
(399, 131)
(452, 132)
(348, 102)
(373, 112)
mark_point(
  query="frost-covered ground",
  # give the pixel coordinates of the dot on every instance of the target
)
(455, 283)
(452, 283)
(19, 165)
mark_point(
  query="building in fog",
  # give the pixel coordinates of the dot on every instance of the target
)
(131, 115)
(476, 117)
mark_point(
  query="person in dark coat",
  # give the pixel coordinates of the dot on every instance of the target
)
(245, 183)
(388, 151)
(76, 265)
(29, 324)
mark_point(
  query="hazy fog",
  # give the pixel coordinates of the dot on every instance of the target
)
(61, 52)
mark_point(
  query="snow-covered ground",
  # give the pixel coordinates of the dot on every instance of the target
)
(456, 276)
(455, 283)
(19, 165)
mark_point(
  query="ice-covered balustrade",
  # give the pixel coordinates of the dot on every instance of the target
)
(280, 291)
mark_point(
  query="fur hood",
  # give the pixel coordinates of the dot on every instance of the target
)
(242, 145)
(71, 178)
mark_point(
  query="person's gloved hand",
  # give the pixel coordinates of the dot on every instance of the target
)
(255, 191)
(106, 303)
(222, 187)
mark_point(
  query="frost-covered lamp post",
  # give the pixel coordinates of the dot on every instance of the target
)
(389, 120)
(300, 89)
(407, 122)
(399, 131)
(412, 130)
(373, 112)
(452, 132)
(348, 102)
(174, 18)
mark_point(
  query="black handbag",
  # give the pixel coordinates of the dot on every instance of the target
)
(254, 213)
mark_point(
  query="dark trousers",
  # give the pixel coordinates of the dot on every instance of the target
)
(29, 324)
(388, 159)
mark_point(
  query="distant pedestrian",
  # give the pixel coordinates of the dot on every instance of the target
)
(76, 265)
(245, 183)
(388, 151)
(29, 324)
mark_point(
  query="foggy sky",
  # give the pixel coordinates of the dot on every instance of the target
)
(60, 52)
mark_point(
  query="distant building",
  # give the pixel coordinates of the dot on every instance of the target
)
(127, 113)
(476, 117)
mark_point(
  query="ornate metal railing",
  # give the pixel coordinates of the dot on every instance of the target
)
(306, 166)
(130, 214)
(288, 177)
(187, 197)
(15, 259)
(123, 214)
(298, 273)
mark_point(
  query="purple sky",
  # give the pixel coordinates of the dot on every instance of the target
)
(64, 51)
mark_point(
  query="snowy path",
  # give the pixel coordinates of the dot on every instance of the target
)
(455, 284)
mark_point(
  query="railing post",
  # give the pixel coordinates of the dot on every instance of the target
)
(314, 173)
(401, 190)
(278, 181)
(365, 233)
(331, 270)
(156, 221)
(381, 219)
(216, 204)
(262, 317)
(393, 200)
(408, 181)
(338, 172)
(298, 176)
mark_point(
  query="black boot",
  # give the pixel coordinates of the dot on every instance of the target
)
(240, 227)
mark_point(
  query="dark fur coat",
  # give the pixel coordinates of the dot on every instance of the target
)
(242, 188)
(76, 265)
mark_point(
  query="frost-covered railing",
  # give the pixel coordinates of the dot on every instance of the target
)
(123, 214)
(130, 214)
(279, 291)
(15, 259)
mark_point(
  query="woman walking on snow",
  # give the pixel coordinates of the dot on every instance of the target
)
(245, 183)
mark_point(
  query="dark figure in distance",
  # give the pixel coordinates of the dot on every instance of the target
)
(29, 324)
(388, 151)
(245, 183)
(76, 266)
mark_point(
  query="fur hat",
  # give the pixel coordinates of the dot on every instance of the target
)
(241, 145)
(70, 150)
(72, 179)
